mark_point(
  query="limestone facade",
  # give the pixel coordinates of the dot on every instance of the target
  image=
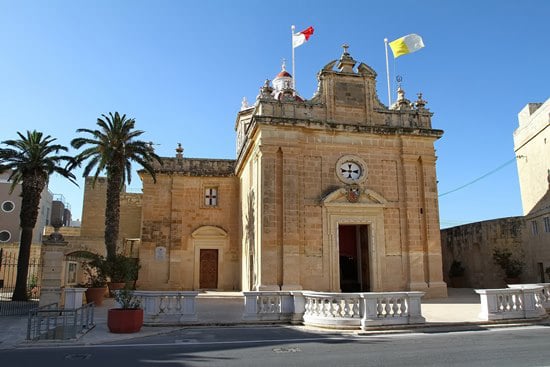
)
(532, 148)
(335, 193)
(179, 228)
(296, 206)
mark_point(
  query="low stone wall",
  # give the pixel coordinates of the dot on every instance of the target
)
(524, 302)
(167, 307)
(335, 310)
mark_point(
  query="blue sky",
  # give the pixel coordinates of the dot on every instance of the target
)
(181, 68)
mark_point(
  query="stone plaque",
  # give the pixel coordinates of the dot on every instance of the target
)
(349, 94)
(160, 253)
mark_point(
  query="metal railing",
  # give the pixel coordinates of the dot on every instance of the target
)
(51, 322)
(8, 274)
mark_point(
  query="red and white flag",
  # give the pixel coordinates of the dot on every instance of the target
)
(300, 38)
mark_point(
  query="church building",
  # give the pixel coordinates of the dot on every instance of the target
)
(335, 193)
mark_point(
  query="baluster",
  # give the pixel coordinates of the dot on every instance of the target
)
(393, 306)
(337, 308)
(500, 303)
(262, 304)
(277, 304)
(379, 307)
(405, 307)
(179, 303)
(329, 307)
(387, 307)
(356, 308)
(162, 304)
(347, 307)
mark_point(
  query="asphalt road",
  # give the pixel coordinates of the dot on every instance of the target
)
(287, 346)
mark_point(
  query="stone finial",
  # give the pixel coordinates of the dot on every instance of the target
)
(420, 103)
(345, 46)
(179, 151)
(402, 103)
(244, 104)
(265, 91)
(346, 62)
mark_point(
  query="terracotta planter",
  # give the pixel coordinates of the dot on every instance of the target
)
(95, 295)
(113, 286)
(124, 320)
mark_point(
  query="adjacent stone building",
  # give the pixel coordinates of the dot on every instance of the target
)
(532, 148)
(527, 236)
(335, 193)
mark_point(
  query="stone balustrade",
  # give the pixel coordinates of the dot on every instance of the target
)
(167, 307)
(545, 293)
(273, 306)
(523, 302)
(333, 310)
(391, 308)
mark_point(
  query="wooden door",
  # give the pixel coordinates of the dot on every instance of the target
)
(208, 277)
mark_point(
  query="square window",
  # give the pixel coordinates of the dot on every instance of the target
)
(211, 196)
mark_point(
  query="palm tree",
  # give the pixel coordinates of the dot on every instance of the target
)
(112, 148)
(31, 159)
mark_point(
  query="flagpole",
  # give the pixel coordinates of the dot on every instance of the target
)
(387, 72)
(292, 28)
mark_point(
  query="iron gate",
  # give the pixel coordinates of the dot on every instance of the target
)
(8, 274)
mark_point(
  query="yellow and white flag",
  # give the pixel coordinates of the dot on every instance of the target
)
(406, 45)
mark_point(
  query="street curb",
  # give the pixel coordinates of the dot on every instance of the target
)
(432, 328)
(454, 327)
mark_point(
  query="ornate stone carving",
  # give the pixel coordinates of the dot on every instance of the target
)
(353, 192)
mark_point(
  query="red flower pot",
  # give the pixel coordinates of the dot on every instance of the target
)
(95, 295)
(125, 320)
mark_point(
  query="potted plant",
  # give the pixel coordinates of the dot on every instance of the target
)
(128, 317)
(96, 283)
(121, 270)
(512, 265)
(456, 275)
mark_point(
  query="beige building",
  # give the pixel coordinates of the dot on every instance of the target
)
(532, 148)
(335, 193)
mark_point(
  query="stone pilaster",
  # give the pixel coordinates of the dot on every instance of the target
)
(53, 253)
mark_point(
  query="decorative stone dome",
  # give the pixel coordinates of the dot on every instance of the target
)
(283, 86)
(283, 80)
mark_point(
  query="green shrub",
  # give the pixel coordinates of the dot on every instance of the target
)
(512, 266)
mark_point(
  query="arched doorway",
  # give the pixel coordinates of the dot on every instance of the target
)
(209, 244)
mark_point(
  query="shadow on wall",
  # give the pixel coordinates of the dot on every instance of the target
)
(473, 244)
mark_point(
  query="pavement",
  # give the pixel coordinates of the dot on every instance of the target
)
(458, 312)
